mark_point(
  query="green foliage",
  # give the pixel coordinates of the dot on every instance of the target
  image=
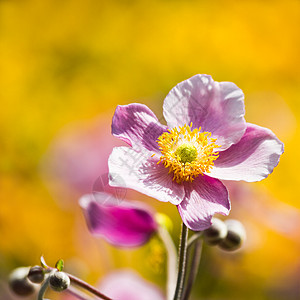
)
(59, 265)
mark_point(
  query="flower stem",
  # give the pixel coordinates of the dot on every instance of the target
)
(44, 288)
(182, 262)
(194, 268)
(172, 261)
(194, 238)
(87, 287)
(76, 293)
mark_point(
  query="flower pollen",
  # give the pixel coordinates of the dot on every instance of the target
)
(187, 153)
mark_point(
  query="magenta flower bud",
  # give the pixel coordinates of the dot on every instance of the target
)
(216, 232)
(59, 281)
(36, 274)
(235, 236)
(125, 224)
(19, 283)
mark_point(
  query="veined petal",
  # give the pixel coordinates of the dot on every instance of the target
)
(123, 223)
(137, 125)
(217, 107)
(204, 197)
(253, 158)
(136, 170)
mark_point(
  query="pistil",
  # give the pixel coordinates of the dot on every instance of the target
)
(187, 153)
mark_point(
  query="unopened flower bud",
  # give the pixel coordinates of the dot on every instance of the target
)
(19, 283)
(59, 281)
(235, 236)
(164, 221)
(36, 274)
(216, 232)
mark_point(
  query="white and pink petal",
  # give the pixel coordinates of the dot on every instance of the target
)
(204, 197)
(253, 158)
(138, 126)
(216, 107)
(136, 170)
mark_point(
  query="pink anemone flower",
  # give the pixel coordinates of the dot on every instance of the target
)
(121, 223)
(206, 140)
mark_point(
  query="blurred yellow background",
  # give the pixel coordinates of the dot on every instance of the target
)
(69, 63)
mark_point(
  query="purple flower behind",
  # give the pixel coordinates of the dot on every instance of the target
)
(77, 157)
(127, 285)
(124, 224)
(206, 140)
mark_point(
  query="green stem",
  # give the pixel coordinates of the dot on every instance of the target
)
(44, 287)
(194, 268)
(172, 261)
(181, 263)
(194, 238)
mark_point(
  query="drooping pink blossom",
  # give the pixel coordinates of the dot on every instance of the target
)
(122, 223)
(206, 140)
(128, 285)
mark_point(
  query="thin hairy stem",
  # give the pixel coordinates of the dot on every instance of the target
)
(181, 263)
(87, 287)
(194, 268)
(44, 287)
(172, 261)
(194, 238)
(76, 293)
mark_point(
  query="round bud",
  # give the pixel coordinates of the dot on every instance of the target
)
(36, 274)
(19, 283)
(216, 232)
(235, 236)
(59, 281)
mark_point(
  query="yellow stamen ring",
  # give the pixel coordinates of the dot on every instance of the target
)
(187, 153)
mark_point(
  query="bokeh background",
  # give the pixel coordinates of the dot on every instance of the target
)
(65, 65)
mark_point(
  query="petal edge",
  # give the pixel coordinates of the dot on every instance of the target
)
(139, 171)
(204, 197)
(137, 125)
(253, 158)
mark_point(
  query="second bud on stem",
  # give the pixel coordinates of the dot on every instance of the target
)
(59, 281)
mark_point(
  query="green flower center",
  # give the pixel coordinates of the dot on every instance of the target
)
(187, 153)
